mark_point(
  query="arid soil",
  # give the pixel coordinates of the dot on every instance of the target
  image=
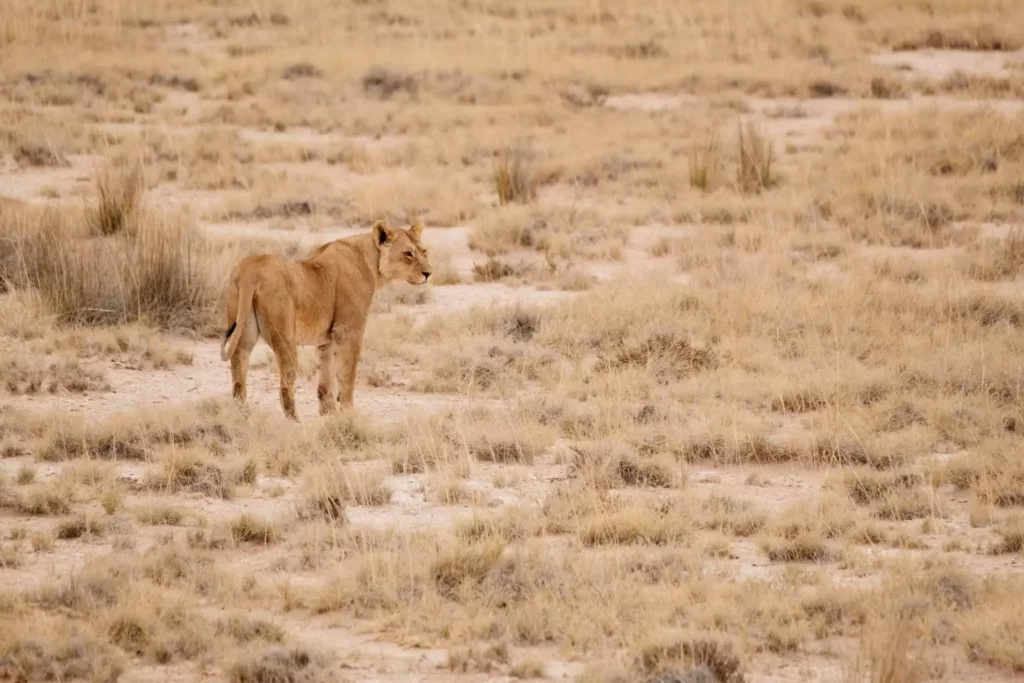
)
(720, 365)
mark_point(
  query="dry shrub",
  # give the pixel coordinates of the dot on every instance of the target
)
(53, 648)
(38, 500)
(806, 547)
(869, 486)
(159, 515)
(279, 665)
(247, 528)
(511, 525)
(705, 164)
(730, 516)
(890, 652)
(209, 424)
(904, 179)
(34, 375)
(158, 273)
(454, 568)
(907, 504)
(755, 160)
(998, 259)
(191, 470)
(514, 179)
(505, 438)
(496, 270)
(608, 464)
(1012, 538)
(331, 488)
(637, 526)
(993, 629)
(968, 36)
(629, 326)
(119, 199)
(562, 231)
(673, 652)
(666, 355)
(385, 83)
(80, 526)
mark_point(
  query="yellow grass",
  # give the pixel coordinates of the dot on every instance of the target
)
(717, 376)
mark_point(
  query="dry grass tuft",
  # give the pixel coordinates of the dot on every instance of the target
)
(672, 653)
(454, 569)
(159, 272)
(755, 160)
(247, 528)
(705, 164)
(514, 179)
(805, 547)
(636, 526)
(607, 464)
(331, 488)
(279, 665)
(119, 199)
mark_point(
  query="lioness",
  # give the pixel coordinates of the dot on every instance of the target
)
(322, 301)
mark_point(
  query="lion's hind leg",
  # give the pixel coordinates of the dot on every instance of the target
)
(282, 341)
(240, 358)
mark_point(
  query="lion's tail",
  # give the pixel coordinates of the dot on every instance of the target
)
(246, 291)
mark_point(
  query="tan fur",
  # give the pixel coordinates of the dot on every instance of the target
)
(322, 301)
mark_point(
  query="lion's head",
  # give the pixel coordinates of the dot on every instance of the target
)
(402, 255)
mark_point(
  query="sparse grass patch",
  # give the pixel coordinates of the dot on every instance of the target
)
(38, 500)
(21, 375)
(705, 164)
(80, 526)
(608, 464)
(331, 488)
(755, 160)
(191, 470)
(672, 653)
(156, 273)
(452, 569)
(514, 179)
(636, 526)
(247, 528)
(806, 547)
(119, 197)
(279, 665)
(159, 515)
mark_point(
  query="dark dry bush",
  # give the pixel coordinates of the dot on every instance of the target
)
(667, 354)
(279, 665)
(384, 83)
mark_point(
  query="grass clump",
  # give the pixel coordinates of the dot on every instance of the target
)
(514, 180)
(115, 264)
(755, 160)
(279, 665)
(119, 198)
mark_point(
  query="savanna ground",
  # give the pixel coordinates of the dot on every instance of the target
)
(720, 365)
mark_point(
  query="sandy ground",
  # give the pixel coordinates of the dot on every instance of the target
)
(366, 658)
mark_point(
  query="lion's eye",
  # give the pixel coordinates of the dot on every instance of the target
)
(408, 254)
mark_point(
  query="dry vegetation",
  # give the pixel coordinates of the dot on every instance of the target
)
(718, 378)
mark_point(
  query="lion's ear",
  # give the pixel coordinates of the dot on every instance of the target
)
(416, 230)
(383, 235)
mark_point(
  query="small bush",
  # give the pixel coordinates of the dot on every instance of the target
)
(705, 164)
(514, 180)
(113, 264)
(279, 665)
(755, 157)
(119, 196)
(249, 529)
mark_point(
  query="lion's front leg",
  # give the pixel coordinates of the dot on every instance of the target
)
(326, 389)
(349, 349)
